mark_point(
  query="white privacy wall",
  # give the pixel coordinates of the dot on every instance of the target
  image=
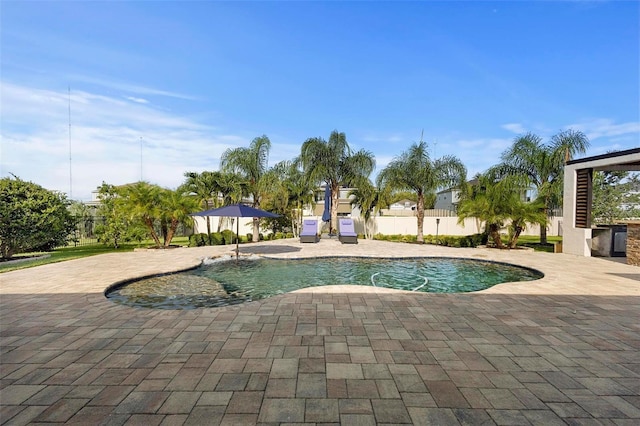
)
(387, 225)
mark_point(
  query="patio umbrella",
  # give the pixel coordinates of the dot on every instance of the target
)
(237, 211)
(326, 214)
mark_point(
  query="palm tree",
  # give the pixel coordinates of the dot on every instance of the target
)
(334, 163)
(367, 198)
(495, 200)
(293, 191)
(176, 209)
(413, 170)
(252, 164)
(204, 186)
(543, 165)
(231, 187)
(141, 201)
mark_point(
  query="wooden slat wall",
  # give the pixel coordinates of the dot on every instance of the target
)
(583, 198)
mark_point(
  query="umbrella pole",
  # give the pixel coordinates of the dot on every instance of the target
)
(237, 238)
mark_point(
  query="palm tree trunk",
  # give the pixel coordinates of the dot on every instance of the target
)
(149, 223)
(543, 229)
(514, 238)
(171, 232)
(543, 226)
(495, 235)
(335, 197)
(420, 214)
(256, 229)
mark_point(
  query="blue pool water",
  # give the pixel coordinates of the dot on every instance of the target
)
(222, 283)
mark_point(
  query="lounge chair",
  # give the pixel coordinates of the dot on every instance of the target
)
(347, 233)
(309, 233)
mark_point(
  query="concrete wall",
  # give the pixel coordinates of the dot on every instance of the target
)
(575, 241)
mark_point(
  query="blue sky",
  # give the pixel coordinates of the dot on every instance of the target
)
(187, 80)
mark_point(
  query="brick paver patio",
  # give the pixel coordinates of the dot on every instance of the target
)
(563, 349)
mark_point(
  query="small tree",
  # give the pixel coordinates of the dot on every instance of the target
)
(31, 218)
(291, 192)
(204, 186)
(497, 201)
(141, 201)
(367, 198)
(616, 196)
(116, 227)
(175, 209)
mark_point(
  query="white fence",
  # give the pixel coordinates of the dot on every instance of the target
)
(390, 225)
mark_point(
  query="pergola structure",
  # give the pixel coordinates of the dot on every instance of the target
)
(578, 178)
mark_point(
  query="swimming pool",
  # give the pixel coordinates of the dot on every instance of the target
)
(227, 282)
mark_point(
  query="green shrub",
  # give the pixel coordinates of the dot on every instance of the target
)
(289, 235)
(249, 236)
(278, 236)
(261, 237)
(244, 239)
(444, 240)
(228, 236)
(458, 241)
(480, 239)
(216, 239)
(197, 240)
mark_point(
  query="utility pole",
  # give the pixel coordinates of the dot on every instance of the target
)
(70, 178)
(141, 142)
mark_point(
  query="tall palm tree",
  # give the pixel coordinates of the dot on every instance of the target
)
(414, 170)
(334, 163)
(367, 198)
(204, 186)
(231, 187)
(252, 164)
(543, 165)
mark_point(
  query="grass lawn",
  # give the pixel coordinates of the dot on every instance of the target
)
(69, 253)
(533, 241)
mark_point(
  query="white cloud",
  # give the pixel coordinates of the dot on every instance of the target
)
(132, 88)
(394, 138)
(607, 128)
(137, 100)
(516, 128)
(104, 142)
(486, 144)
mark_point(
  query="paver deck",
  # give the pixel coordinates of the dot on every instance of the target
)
(561, 350)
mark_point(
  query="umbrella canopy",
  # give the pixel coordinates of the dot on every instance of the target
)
(237, 211)
(326, 214)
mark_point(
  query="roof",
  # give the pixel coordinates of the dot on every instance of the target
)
(605, 156)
